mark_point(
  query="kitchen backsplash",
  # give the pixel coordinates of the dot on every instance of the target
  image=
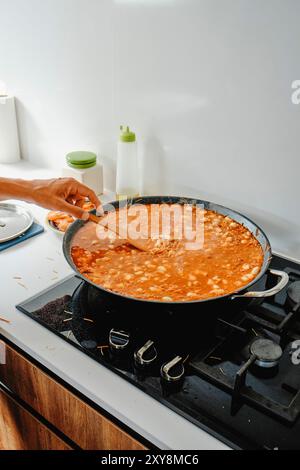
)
(206, 85)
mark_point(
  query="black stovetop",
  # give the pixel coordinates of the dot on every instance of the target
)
(222, 389)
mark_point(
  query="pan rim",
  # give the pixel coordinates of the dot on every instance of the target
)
(79, 223)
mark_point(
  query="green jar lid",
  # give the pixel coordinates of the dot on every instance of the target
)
(126, 134)
(81, 159)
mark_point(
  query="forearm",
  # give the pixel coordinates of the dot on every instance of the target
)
(16, 189)
(60, 194)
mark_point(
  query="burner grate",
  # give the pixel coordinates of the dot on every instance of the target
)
(240, 332)
(242, 393)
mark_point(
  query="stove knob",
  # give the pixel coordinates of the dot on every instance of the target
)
(118, 340)
(173, 370)
(146, 355)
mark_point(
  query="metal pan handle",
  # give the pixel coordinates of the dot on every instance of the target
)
(283, 280)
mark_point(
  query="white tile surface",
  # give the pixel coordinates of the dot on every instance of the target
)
(206, 84)
(56, 58)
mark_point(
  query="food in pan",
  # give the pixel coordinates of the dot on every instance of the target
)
(62, 220)
(230, 258)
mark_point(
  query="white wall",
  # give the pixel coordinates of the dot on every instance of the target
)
(206, 84)
(56, 57)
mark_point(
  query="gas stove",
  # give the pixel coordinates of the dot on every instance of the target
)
(240, 384)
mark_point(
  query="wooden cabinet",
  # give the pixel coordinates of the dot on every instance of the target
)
(20, 430)
(77, 420)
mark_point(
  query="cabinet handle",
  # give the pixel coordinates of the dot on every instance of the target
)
(2, 353)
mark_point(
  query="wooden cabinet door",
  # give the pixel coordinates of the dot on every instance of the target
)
(19, 430)
(85, 426)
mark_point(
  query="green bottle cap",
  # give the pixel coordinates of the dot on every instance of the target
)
(126, 135)
(81, 159)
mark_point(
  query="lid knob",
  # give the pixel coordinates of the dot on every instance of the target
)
(81, 159)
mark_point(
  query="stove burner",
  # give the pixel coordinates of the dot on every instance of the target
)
(267, 352)
(293, 293)
(146, 355)
(118, 339)
(173, 371)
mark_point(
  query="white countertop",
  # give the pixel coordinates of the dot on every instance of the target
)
(39, 262)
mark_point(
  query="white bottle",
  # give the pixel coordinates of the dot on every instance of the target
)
(127, 184)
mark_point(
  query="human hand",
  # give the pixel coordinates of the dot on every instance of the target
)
(62, 194)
